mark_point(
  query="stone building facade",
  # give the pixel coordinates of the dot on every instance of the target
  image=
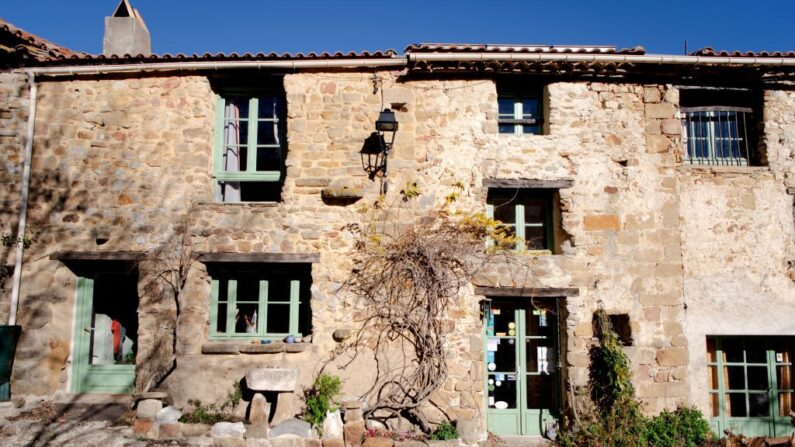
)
(693, 257)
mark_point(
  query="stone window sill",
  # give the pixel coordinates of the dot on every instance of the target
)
(239, 204)
(716, 169)
(237, 347)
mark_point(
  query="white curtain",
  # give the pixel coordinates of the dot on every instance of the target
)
(230, 191)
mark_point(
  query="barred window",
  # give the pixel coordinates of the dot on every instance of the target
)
(719, 128)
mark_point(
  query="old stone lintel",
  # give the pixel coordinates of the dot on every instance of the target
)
(97, 256)
(259, 257)
(527, 183)
(528, 292)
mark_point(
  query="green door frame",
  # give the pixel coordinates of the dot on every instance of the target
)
(519, 421)
(87, 378)
(772, 425)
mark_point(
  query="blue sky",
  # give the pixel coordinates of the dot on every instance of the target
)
(315, 25)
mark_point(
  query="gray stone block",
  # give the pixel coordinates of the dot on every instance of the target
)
(148, 408)
(292, 427)
(272, 379)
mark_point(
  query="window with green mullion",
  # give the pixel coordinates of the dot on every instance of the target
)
(525, 213)
(248, 138)
(248, 306)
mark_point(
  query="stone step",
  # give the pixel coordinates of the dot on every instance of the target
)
(92, 407)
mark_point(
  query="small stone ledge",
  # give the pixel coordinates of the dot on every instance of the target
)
(711, 169)
(235, 348)
(238, 204)
(791, 191)
(220, 347)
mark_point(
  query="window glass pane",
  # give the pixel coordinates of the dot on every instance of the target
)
(248, 288)
(713, 377)
(260, 191)
(732, 350)
(278, 318)
(757, 378)
(505, 208)
(756, 351)
(530, 108)
(267, 132)
(540, 322)
(535, 238)
(279, 290)
(236, 107)
(502, 390)
(531, 129)
(223, 289)
(506, 107)
(714, 405)
(785, 404)
(235, 133)
(711, 351)
(783, 347)
(268, 159)
(736, 403)
(220, 321)
(735, 375)
(235, 158)
(268, 106)
(759, 404)
(246, 318)
(504, 320)
(540, 356)
(784, 378)
(535, 211)
(503, 359)
(507, 128)
(541, 391)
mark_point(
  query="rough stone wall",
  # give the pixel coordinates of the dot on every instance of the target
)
(14, 103)
(113, 159)
(127, 159)
(738, 237)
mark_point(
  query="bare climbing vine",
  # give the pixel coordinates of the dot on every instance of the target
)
(165, 273)
(408, 271)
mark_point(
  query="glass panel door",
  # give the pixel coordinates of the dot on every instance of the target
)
(106, 333)
(521, 367)
(750, 384)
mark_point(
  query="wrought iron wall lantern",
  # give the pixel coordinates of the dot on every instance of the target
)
(375, 151)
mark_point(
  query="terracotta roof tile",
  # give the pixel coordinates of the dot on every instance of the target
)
(708, 51)
(19, 45)
(498, 48)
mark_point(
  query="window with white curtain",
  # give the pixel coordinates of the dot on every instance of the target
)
(249, 154)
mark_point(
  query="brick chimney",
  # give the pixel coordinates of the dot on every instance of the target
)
(125, 32)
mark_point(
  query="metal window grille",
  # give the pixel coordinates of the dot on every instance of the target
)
(717, 135)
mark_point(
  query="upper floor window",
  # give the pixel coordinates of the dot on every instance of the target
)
(529, 214)
(520, 106)
(719, 127)
(260, 300)
(520, 115)
(249, 147)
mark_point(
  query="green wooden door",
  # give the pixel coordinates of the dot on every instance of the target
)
(751, 384)
(92, 371)
(521, 375)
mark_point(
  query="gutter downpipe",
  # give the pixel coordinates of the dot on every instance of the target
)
(214, 65)
(23, 209)
(615, 58)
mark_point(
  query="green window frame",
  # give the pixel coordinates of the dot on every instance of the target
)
(274, 292)
(751, 382)
(527, 213)
(520, 114)
(255, 153)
